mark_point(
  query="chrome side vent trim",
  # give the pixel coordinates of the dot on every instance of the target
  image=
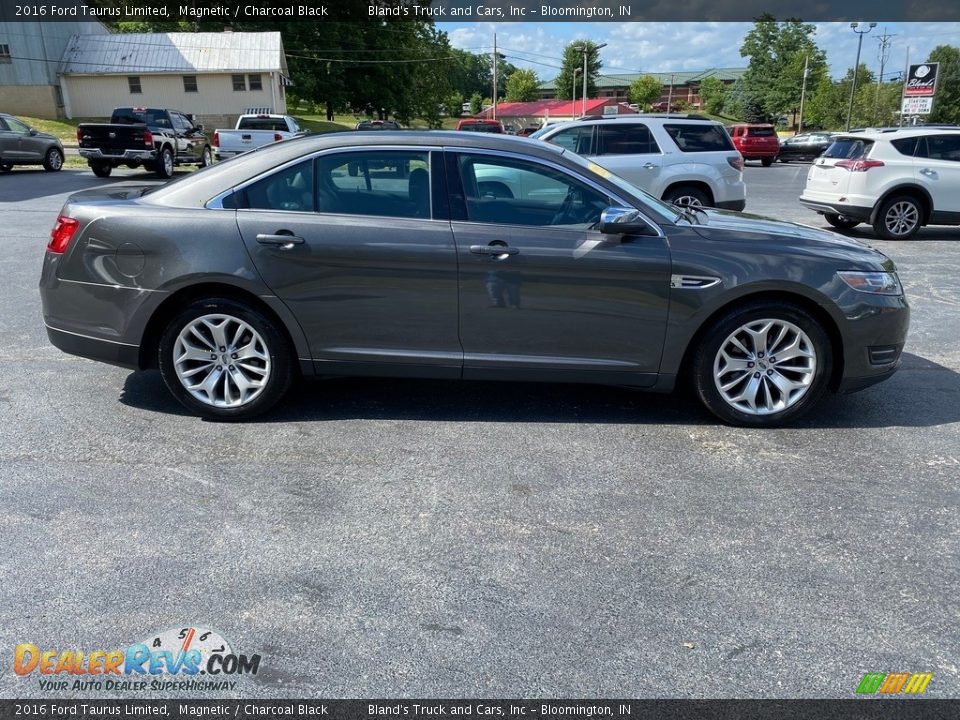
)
(693, 282)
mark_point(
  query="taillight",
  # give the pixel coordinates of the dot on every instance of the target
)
(61, 235)
(736, 162)
(277, 137)
(859, 165)
(148, 138)
(79, 135)
(216, 139)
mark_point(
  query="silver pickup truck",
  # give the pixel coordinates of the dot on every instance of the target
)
(253, 131)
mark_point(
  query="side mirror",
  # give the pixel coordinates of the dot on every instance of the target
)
(624, 221)
(199, 127)
(32, 132)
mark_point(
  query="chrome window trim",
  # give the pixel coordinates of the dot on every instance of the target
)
(562, 169)
(216, 202)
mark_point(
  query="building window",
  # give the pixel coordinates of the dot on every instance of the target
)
(133, 82)
(255, 83)
(239, 83)
(5, 54)
(190, 83)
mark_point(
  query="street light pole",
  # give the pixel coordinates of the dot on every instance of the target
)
(856, 67)
(585, 49)
(803, 91)
(573, 96)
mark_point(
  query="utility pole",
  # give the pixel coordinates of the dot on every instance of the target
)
(670, 96)
(803, 91)
(495, 77)
(903, 90)
(884, 53)
(573, 104)
(856, 68)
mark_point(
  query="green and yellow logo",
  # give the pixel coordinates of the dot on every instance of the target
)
(894, 683)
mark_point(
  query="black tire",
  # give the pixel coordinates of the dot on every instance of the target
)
(911, 211)
(706, 355)
(840, 222)
(164, 165)
(783, 160)
(687, 195)
(53, 160)
(767, 162)
(206, 157)
(101, 170)
(277, 348)
(6, 167)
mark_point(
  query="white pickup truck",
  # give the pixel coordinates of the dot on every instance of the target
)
(253, 131)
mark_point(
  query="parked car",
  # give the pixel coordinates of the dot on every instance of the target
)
(679, 160)
(480, 125)
(805, 146)
(20, 144)
(156, 139)
(896, 180)
(338, 255)
(377, 125)
(664, 107)
(253, 131)
(756, 142)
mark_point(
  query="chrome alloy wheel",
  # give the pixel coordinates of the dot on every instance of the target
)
(167, 163)
(902, 217)
(221, 360)
(688, 201)
(765, 366)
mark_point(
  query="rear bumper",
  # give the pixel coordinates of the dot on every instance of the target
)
(854, 212)
(97, 155)
(86, 346)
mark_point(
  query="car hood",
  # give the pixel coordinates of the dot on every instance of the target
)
(725, 225)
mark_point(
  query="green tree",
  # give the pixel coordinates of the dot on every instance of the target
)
(644, 91)
(476, 104)
(946, 103)
(713, 93)
(773, 81)
(572, 60)
(454, 105)
(523, 86)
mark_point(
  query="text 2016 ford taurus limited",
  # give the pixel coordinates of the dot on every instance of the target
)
(460, 255)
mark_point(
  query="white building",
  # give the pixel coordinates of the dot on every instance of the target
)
(213, 76)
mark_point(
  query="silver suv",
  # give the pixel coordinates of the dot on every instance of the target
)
(679, 159)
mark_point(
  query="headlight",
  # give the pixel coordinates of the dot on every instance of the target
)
(878, 283)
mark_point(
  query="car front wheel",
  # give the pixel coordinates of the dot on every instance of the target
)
(225, 360)
(206, 159)
(762, 365)
(53, 160)
(899, 218)
(164, 166)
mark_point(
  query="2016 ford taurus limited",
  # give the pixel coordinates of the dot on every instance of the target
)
(460, 255)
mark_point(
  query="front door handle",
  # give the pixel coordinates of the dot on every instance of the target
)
(283, 239)
(493, 250)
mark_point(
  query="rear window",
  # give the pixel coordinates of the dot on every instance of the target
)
(137, 116)
(848, 148)
(274, 124)
(761, 132)
(482, 127)
(699, 137)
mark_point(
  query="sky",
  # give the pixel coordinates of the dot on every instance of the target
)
(666, 47)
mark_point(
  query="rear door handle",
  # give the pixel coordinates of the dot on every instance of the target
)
(649, 166)
(493, 250)
(281, 239)
(928, 172)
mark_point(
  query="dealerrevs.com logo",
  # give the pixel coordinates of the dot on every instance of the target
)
(171, 660)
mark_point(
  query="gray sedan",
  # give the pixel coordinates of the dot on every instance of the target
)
(20, 144)
(460, 255)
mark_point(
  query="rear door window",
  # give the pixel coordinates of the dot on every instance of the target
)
(848, 149)
(290, 189)
(625, 139)
(699, 137)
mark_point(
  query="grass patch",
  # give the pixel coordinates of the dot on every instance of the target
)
(65, 130)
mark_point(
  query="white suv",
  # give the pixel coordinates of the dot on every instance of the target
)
(678, 159)
(897, 179)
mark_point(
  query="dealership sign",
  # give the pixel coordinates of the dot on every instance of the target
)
(921, 80)
(917, 106)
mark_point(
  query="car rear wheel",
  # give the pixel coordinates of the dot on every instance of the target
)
(101, 170)
(840, 222)
(164, 166)
(225, 360)
(762, 365)
(53, 160)
(899, 218)
(687, 196)
(767, 162)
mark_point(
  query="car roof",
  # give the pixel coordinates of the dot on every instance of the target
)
(898, 132)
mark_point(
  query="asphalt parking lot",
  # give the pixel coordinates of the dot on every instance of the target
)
(381, 538)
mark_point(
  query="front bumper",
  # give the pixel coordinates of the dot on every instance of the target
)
(97, 155)
(737, 205)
